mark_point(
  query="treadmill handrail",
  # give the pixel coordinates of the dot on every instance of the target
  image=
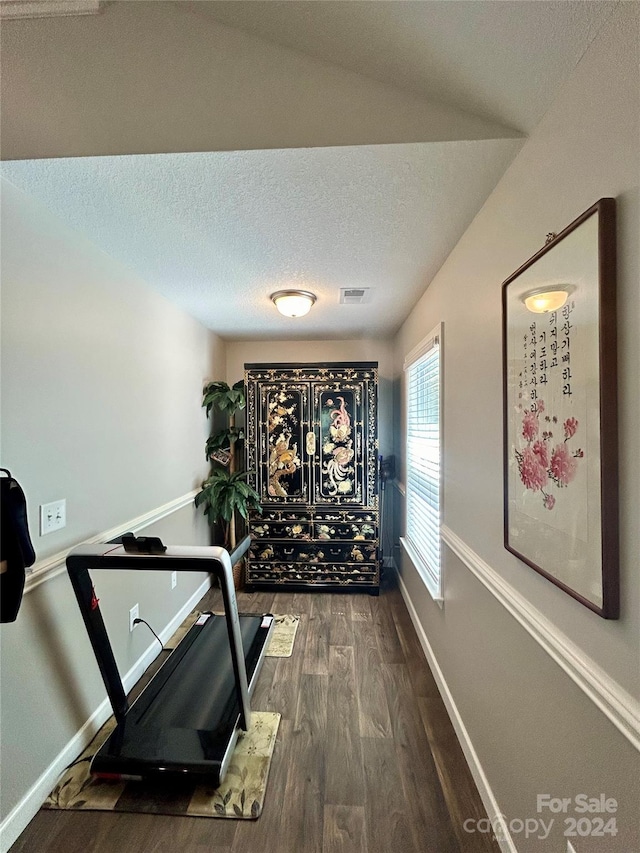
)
(175, 559)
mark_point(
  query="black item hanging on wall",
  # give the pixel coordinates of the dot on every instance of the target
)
(16, 549)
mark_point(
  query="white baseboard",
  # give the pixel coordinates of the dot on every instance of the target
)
(20, 816)
(488, 798)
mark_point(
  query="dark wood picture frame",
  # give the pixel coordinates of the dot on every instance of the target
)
(560, 412)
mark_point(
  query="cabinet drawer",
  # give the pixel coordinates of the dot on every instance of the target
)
(346, 515)
(314, 552)
(290, 551)
(324, 573)
(281, 530)
(331, 530)
(284, 515)
(351, 552)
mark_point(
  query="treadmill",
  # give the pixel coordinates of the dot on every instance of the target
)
(184, 725)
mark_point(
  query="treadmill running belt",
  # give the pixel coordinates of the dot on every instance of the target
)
(184, 716)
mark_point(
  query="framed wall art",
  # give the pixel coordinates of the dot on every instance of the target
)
(560, 411)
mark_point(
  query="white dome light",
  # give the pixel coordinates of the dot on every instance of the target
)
(546, 299)
(293, 303)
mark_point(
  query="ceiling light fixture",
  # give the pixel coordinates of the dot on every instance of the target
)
(293, 303)
(545, 299)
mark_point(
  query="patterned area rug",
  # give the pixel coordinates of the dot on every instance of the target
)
(280, 644)
(284, 633)
(240, 796)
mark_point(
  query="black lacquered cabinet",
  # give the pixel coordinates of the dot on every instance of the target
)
(312, 448)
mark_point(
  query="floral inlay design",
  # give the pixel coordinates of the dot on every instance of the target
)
(284, 459)
(544, 462)
(337, 450)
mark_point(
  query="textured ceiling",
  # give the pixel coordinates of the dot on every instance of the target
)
(265, 145)
(217, 233)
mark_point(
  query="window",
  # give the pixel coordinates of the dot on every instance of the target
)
(423, 467)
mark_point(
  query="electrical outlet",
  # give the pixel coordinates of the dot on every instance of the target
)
(570, 848)
(174, 580)
(134, 613)
(53, 516)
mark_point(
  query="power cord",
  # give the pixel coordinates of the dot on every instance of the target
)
(144, 622)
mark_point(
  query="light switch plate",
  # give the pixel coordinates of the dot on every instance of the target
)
(53, 516)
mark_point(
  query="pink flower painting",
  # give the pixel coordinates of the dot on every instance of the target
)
(530, 425)
(570, 427)
(540, 467)
(563, 465)
(541, 451)
(549, 501)
(532, 473)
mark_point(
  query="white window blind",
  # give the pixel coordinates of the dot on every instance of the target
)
(423, 477)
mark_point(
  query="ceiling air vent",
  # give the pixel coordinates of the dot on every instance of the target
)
(354, 295)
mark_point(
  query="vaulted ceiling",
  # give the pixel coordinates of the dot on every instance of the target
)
(224, 150)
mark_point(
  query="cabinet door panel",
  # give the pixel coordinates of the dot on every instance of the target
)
(283, 426)
(338, 469)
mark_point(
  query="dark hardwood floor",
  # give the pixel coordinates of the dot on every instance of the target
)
(366, 759)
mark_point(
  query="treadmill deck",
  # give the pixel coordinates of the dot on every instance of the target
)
(184, 725)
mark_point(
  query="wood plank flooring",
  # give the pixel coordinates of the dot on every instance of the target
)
(366, 759)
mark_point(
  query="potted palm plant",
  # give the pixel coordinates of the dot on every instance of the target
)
(226, 494)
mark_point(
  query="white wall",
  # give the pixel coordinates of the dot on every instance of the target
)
(101, 404)
(533, 729)
(101, 379)
(168, 77)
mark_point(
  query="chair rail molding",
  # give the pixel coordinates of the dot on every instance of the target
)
(47, 568)
(621, 708)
